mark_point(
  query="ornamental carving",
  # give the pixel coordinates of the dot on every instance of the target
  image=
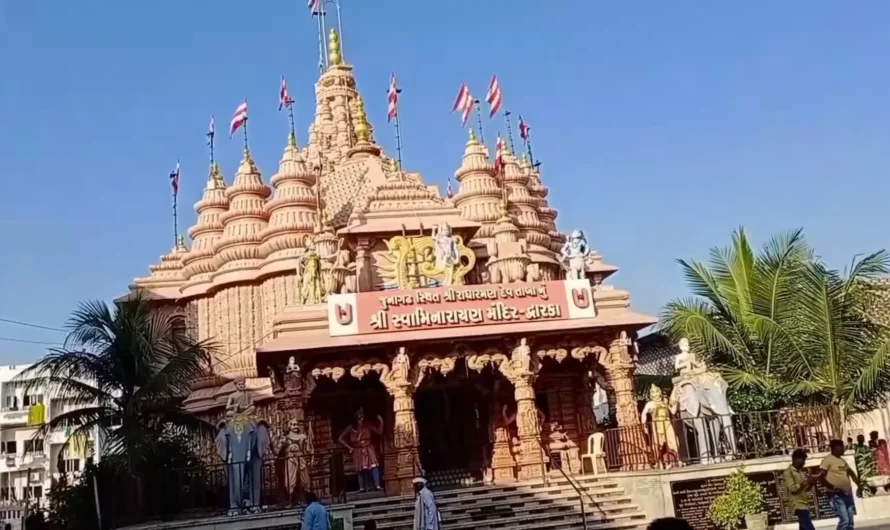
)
(332, 372)
(412, 262)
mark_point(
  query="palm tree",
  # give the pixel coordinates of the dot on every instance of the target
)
(128, 371)
(782, 322)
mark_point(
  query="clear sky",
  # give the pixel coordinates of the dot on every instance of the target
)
(661, 125)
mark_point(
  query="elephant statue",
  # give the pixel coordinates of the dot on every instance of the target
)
(242, 443)
(700, 400)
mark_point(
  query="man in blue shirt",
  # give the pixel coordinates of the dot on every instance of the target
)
(315, 517)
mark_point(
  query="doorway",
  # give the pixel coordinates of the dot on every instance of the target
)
(452, 423)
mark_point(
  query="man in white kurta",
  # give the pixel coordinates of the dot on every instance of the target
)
(426, 514)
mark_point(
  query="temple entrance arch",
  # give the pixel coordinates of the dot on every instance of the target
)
(452, 421)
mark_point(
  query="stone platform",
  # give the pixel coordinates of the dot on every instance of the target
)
(555, 505)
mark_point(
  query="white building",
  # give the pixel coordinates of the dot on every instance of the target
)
(28, 464)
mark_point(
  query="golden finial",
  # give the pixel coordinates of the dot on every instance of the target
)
(334, 47)
(180, 242)
(362, 131)
(472, 140)
(506, 149)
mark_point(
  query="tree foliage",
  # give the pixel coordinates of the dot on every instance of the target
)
(127, 371)
(783, 325)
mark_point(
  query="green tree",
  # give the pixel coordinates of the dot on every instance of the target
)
(128, 370)
(785, 326)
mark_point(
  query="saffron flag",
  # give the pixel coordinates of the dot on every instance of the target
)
(494, 96)
(239, 118)
(284, 99)
(449, 192)
(393, 97)
(498, 155)
(314, 6)
(463, 102)
(174, 179)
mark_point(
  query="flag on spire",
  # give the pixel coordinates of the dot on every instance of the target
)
(314, 6)
(449, 192)
(494, 96)
(211, 131)
(393, 95)
(239, 118)
(174, 179)
(498, 155)
(523, 129)
(463, 102)
(284, 99)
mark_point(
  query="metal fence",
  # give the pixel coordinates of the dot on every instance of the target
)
(711, 439)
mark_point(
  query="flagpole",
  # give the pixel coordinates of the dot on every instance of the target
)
(509, 130)
(175, 208)
(322, 33)
(290, 117)
(398, 126)
(322, 58)
(210, 136)
(246, 148)
(339, 27)
(528, 146)
(479, 120)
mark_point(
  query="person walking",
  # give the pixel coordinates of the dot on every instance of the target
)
(799, 483)
(315, 516)
(426, 513)
(836, 476)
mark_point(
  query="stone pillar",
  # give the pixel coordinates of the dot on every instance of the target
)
(521, 370)
(624, 407)
(399, 384)
(503, 465)
(619, 375)
(363, 264)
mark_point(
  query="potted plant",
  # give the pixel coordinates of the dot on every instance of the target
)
(741, 499)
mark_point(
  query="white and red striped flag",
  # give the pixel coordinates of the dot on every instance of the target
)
(239, 118)
(284, 99)
(211, 131)
(450, 193)
(498, 155)
(392, 110)
(463, 102)
(494, 96)
(314, 6)
(523, 129)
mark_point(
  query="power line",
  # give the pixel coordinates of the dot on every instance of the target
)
(29, 325)
(9, 339)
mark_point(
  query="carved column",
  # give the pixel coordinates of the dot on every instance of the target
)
(619, 375)
(400, 384)
(521, 370)
(363, 264)
(503, 465)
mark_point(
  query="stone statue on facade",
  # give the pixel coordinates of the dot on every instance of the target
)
(699, 398)
(574, 254)
(295, 448)
(293, 377)
(401, 366)
(522, 356)
(311, 284)
(446, 252)
(240, 401)
(657, 414)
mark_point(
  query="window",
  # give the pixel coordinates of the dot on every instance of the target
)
(32, 399)
(8, 448)
(71, 466)
(34, 446)
(11, 403)
(34, 492)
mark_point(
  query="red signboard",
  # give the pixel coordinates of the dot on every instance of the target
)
(466, 305)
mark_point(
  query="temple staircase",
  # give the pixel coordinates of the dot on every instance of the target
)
(554, 504)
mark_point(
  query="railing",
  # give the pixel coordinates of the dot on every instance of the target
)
(556, 462)
(711, 439)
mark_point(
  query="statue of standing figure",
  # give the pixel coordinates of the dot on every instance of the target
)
(447, 253)
(574, 253)
(663, 438)
(311, 284)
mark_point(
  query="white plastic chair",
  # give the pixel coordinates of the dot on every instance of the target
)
(595, 452)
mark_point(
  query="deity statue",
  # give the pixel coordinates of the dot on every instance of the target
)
(273, 379)
(357, 438)
(522, 356)
(685, 362)
(240, 402)
(447, 253)
(293, 377)
(401, 366)
(663, 438)
(574, 252)
(311, 286)
(295, 449)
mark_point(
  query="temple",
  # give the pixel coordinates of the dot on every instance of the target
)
(398, 331)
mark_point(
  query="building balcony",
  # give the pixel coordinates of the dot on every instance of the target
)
(13, 418)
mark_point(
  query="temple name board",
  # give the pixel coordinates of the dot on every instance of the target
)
(458, 306)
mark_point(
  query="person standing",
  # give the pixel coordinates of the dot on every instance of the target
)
(836, 476)
(799, 483)
(426, 514)
(315, 517)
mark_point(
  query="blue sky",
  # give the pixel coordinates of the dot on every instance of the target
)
(661, 126)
